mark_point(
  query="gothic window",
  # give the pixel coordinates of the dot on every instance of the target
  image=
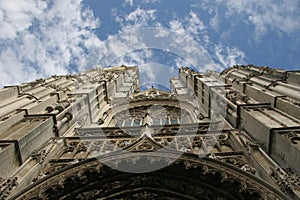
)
(136, 122)
(119, 122)
(156, 121)
(127, 122)
(174, 120)
(183, 120)
(164, 121)
(160, 115)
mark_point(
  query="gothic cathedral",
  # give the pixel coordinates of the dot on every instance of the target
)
(95, 135)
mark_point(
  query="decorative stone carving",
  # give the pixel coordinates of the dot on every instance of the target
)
(6, 186)
(289, 183)
(293, 136)
(90, 173)
(145, 196)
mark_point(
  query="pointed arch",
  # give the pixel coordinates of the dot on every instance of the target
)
(190, 177)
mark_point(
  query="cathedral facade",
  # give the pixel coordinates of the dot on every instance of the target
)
(95, 135)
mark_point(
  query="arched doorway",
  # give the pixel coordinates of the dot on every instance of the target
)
(190, 177)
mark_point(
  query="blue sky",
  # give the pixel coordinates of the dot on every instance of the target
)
(42, 38)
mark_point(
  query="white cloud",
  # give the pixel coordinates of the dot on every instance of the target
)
(141, 16)
(191, 24)
(17, 16)
(130, 2)
(156, 74)
(177, 26)
(214, 22)
(229, 56)
(150, 1)
(178, 40)
(42, 38)
(204, 53)
(148, 72)
(8, 62)
(282, 15)
(140, 33)
(195, 23)
(137, 18)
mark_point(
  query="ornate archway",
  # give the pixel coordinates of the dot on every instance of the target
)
(188, 178)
